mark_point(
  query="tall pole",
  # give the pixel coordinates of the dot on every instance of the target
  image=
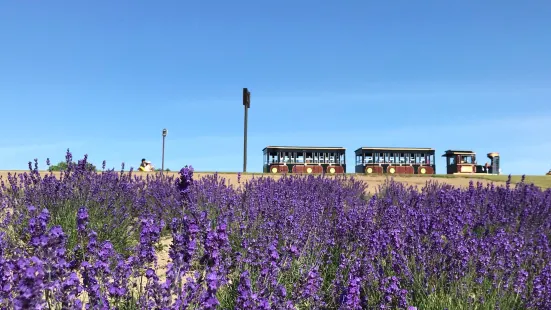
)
(247, 105)
(163, 159)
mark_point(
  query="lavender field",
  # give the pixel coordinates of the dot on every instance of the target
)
(95, 241)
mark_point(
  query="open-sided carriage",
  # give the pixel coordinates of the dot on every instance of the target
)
(395, 160)
(310, 160)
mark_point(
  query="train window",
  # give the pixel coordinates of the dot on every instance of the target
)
(467, 159)
(369, 157)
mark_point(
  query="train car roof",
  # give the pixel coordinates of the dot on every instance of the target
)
(336, 148)
(395, 149)
(458, 152)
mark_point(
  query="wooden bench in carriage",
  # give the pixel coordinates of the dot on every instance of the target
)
(395, 160)
(304, 160)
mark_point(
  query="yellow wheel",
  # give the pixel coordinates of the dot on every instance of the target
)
(309, 170)
(274, 170)
(423, 170)
(332, 170)
(369, 170)
(392, 170)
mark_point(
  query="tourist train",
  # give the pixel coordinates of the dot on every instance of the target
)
(372, 160)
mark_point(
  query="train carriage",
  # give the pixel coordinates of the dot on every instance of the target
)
(308, 160)
(395, 160)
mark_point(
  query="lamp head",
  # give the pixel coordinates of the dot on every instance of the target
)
(246, 98)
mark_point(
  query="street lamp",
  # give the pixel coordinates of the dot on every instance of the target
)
(163, 160)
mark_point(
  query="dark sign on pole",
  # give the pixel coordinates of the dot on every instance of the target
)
(246, 98)
(247, 105)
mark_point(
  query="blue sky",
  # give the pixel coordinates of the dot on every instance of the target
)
(105, 77)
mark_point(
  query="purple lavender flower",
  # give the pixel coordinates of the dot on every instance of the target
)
(246, 299)
(82, 220)
(185, 180)
(29, 278)
(352, 299)
(149, 236)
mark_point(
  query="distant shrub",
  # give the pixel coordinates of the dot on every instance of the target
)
(62, 166)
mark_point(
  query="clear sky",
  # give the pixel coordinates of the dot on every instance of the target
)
(105, 77)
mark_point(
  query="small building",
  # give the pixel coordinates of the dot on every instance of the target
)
(304, 159)
(460, 161)
(395, 160)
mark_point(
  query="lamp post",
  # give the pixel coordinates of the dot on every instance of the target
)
(163, 160)
(247, 105)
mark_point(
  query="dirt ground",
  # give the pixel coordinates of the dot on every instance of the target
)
(372, 181)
